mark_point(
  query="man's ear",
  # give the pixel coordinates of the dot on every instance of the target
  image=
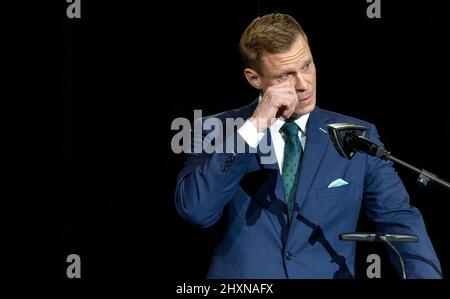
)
(253, 78)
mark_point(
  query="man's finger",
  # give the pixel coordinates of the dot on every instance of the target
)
(287, 113)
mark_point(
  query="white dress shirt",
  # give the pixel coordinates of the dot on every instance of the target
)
(252, 137)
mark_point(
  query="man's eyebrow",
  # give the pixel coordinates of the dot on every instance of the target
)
(287, 70)
(292, 69)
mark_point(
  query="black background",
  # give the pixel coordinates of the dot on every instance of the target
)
(89, 103)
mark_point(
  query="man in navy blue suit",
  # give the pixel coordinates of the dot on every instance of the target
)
(284, 215)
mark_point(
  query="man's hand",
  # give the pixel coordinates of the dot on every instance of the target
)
(278, 100)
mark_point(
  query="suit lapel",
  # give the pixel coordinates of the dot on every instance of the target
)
(265, 154)
(268, 161)
(273, 201)
(317, 141)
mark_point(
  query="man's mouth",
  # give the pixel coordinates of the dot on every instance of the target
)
(304, 98)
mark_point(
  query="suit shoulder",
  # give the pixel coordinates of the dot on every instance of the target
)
(242, 112)
(334, 117)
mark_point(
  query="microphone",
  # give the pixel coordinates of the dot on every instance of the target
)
(350, 138)
(378, 237)
(383, 238)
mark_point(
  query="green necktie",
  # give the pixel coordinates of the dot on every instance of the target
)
(291, 163)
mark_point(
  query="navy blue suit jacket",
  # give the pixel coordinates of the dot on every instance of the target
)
(259, 243)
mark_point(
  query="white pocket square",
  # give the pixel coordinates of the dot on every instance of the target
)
(337, 183)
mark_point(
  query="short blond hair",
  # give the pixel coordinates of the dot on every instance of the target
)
(271, 33)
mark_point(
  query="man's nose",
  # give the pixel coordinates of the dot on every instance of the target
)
(300, 83)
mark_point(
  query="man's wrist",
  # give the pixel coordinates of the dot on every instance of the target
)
(250, 134)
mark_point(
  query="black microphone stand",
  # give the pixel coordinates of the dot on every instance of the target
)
(402, 264)
(349, 139)
(363, 144)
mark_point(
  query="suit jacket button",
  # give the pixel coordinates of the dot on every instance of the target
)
(289, 256)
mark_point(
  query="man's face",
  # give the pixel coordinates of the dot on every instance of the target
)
(296, 65)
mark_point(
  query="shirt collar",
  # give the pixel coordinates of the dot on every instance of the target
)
(301, 122)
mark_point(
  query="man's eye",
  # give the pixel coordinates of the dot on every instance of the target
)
(285, 76)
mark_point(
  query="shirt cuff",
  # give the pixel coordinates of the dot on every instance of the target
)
(249, 133)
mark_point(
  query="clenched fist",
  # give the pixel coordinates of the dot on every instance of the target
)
(278, 100)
